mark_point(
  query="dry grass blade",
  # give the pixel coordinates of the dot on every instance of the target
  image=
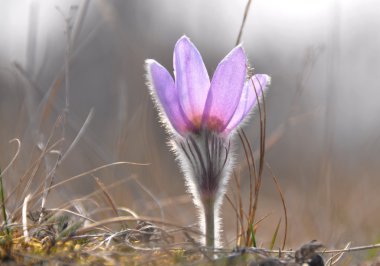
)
(79, 21)
(243, 22)
(129, 211)
(4, 212)
(29, 173)
(38, 191)
(93, 171)
(240, 221)
(279, 190)
(168, 202)
(249, 156)
(262, 116)
(50, 177)
(241, 210)
(44, 149)
(119, 219)
(336, 257)
(107, 195)
(80, 133)
(240, 230)
(154, 198)
(88, 198)
(261, 220)
(14, 156)
(61, 157)
(359, 248)
(85, 218)
(76, 214)
(253, 201)
(331, 251)
(251, 172)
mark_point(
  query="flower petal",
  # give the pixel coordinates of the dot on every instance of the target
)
(253, 90)
(191, 79)
(166, 96)
(225, 90)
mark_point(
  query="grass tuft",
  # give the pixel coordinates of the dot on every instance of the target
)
(4, 212)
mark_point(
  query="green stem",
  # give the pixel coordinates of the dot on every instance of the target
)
(209, 207)
(3, 204)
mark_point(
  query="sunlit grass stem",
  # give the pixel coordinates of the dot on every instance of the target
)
(3, 204)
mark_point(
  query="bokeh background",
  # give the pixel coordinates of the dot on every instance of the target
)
(323, 124)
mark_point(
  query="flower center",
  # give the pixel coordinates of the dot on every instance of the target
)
(212, 124)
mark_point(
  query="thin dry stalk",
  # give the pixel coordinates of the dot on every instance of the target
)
(50, 177)
(38, 193)
(239, 212)
(119, 219)
(50, 98)
(252, 157)
(109, 199)
(57, 83)
(279, 190)
(155, 199)
(331, 251)
(241, 239)
(252, 169)
(4, 212)
(129, 211)
(253, 200)
(240, 221)
(262, 115)
(14, 156)
(243, 21)
(80, 134)
(79, 21)
(251, 191)
(241, 209)
(168, 202)
(95, 170)
(99, 191)
(336, 257)
(73, 213)
(33, 169)
(57, 210)
(256, 225)
(359, 248)
(252, 206)
(61, 157)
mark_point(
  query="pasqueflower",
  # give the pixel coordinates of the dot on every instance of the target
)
(201, 117)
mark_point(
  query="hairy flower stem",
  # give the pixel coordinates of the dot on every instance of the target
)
(206, 162)
(209, 212)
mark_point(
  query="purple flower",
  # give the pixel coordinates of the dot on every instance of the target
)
(192, 103)
(204, 113)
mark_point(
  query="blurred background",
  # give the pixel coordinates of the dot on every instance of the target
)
(323, 124)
